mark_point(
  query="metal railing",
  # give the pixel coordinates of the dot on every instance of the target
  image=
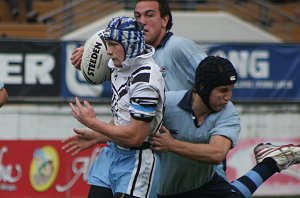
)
(76, 13)
(67, 18)
(266, 7)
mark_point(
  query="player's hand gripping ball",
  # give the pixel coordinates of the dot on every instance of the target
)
(94, 60)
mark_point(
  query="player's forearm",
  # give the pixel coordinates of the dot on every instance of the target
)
(100, 138)
(200, 152)
(126, 135)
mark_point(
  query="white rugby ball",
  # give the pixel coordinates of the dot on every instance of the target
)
(94, 61)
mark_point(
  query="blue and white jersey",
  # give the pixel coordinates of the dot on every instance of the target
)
(1, 85)
(180, 174)
(138, 86)
(178, 58)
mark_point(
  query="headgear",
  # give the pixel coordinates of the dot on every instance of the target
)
(213, 71)
(129, 33)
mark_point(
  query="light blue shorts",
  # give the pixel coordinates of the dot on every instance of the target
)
(133, 172)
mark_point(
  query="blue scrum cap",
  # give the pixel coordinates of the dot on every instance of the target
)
(129, 33)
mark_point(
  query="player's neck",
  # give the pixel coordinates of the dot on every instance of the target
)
(199, 108)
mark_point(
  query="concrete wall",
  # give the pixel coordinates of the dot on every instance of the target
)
(27, 121)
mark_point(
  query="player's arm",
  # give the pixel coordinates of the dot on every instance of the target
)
(3, 96)
(126, 135)
(214, 152)
(84, 139)
(131, 135)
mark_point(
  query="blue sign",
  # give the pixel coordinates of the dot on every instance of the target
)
(267, 72)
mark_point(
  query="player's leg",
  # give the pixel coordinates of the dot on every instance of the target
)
(270, 159)
(135, 173)
(98, 191)
(98, 175)
(217, 187)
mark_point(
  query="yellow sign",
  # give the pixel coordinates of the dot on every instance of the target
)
(44, 168)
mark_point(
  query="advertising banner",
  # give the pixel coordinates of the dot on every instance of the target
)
(31, 68)
(41, 169)
(267, 72)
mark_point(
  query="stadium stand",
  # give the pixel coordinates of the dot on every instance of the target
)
(56, 17)
(18, 27)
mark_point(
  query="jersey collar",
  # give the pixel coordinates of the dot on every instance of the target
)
(186, 104)
(186, 101)
(164, 40)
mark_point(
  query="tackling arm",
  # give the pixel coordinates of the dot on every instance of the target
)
(214, 152)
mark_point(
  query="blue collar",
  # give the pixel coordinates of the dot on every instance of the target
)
(186, 105)
(164, 40)
(186, 101)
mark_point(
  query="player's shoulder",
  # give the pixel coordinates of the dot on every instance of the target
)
(177, 46)
(176, 40)
(174, 97)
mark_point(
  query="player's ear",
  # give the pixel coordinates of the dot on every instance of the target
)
(165, 21)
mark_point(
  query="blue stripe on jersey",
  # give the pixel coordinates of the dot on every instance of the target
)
(142, 108)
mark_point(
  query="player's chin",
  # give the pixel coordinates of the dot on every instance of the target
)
(147, 37)
(218, 108)
(117, 62)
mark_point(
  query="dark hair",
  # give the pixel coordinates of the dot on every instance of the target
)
(164, 10)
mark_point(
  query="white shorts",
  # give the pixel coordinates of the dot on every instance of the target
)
(133, 172)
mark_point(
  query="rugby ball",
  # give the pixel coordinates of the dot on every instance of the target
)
(94, 61)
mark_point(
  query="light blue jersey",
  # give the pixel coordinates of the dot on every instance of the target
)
(178, 58)
(180, 174)
(1, 85)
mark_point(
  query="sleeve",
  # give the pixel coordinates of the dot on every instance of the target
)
(228, 124)
(186, 56)
(144, 99)
(188, 50)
